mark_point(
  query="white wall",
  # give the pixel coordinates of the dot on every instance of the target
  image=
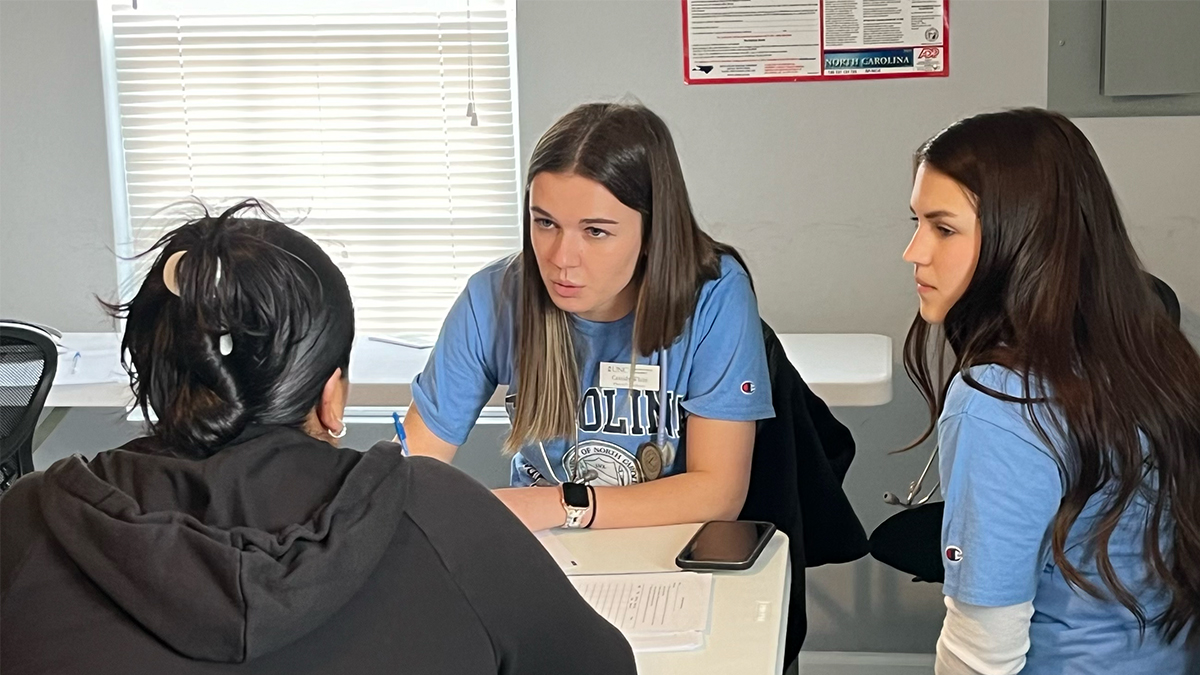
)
(810, 180)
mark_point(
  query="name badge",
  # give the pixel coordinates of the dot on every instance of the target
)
(616, 376)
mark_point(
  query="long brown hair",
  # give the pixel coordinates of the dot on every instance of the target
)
(1060, 297)
(628, 150)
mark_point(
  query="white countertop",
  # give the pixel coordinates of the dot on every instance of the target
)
(749, 608)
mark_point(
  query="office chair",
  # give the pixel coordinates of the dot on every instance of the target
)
(28, 361)
(1168, 297)
(910, 541)
(801, 455)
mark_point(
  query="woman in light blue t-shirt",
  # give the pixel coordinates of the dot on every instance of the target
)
(618, 329)
(1069, 428)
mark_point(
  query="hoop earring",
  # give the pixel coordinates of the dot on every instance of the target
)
(340, 433)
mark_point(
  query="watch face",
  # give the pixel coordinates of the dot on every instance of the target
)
(575, 494)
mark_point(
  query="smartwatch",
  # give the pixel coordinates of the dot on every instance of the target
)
(575, 501)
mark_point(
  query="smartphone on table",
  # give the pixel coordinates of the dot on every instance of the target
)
(725, 545)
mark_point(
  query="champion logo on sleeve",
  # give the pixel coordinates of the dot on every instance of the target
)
(954, 554)
(747, 387)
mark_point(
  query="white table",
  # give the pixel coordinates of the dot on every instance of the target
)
(843, 369)
(381, 373)
(749, 608)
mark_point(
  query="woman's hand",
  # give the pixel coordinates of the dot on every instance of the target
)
(539, 508)
(713, 487)
(421, 439)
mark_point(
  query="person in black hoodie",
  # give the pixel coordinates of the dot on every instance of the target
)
(237, 536)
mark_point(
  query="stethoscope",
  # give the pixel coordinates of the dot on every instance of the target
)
(914, 488)
(651, 455)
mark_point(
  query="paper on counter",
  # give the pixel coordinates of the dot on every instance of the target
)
(666, 611)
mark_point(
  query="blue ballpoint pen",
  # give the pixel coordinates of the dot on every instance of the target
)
(400, 433)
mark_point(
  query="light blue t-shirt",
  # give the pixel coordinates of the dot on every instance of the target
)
(716, 369)
(1003, 487)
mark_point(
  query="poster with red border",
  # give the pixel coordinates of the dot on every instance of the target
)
(731, 41)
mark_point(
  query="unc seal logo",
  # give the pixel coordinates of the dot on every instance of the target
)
(611, 464)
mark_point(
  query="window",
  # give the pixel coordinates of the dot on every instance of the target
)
(385, 131)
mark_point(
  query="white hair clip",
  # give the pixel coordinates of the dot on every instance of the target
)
(225, 342)
(170, 271)
(171, 280)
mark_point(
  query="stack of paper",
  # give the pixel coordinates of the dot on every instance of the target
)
(658, 612)
(90, 358)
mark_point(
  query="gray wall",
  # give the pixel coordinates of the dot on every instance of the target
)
(55, 208)
(1154, 166)
(810, 180)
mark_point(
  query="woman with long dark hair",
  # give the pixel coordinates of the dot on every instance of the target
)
(619, 326)
(1067, 410)
(238, 537)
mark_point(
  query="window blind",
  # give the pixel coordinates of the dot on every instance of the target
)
(354, 125)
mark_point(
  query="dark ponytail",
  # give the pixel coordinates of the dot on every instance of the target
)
(270, 294)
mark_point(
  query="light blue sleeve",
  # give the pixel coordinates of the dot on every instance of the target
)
(728, 378)
(458, 379)
(1002, 492)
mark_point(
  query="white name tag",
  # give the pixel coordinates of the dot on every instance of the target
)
(616, 376)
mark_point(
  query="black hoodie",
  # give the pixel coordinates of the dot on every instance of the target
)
(281, 554)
